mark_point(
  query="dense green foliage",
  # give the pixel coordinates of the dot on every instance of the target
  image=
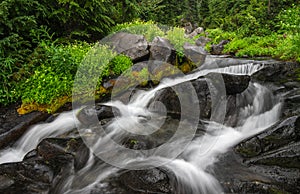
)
(54, 77)
(148, 29)
(43, 42)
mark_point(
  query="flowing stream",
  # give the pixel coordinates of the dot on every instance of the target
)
(191, 169)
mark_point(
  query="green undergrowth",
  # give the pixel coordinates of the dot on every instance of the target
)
(283, 44)
(45, 80)
(276, 45)
(51, 83)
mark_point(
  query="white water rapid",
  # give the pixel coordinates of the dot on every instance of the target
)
(191, 169)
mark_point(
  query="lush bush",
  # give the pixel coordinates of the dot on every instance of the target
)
(119, 64)
(177, 37)
(289, 20)
(54, 77)
(149, 29)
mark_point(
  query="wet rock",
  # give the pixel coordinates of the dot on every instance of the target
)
(236, 177)
(112, 185)
(26, 177)
(217, 49)
(291, 102)
(54, 148)
(92, 115)
(275, 154)
(147, 181)
(132, 45)
(286, 157)
(162, 50)
(14, 125)
(275, 138)
(222, 86)
(235, 84)
(138, 143)
(44, 167)
(278, 73)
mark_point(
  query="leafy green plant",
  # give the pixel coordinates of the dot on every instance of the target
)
(288, 48)
(289, 20)
(54, 77)
(177, 37)
(149, 29)
(119, 64)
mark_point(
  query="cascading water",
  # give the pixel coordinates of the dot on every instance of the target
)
(259, 109)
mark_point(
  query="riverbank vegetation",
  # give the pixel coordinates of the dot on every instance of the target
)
(43, 42)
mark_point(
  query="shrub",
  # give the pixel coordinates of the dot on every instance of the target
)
(288, 48)
(119, 64)
(54, 77)
(148, 29)
(177, 37)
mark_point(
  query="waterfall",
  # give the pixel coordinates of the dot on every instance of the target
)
(259, 110)
(62, 124)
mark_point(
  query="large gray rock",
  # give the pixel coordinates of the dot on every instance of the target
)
(162, 50)
(195, 54)
(132, 45)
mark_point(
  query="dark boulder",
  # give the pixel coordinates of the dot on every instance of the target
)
(44, 167)
(275, 154)
(279, 73)
(93, 114)
(273, 140)
(220, 85)
(291, 102)
(235, 84)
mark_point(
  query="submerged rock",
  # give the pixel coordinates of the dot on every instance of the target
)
(147, 181)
